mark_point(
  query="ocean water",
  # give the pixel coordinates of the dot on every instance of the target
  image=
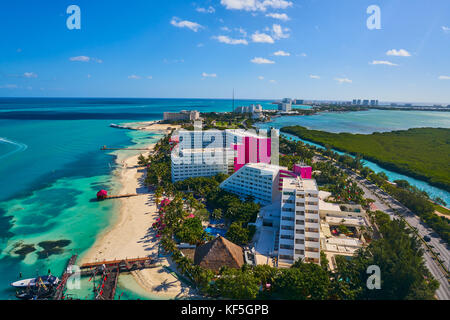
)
(51, 167)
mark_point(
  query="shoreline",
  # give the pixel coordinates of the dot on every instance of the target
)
(131, 234)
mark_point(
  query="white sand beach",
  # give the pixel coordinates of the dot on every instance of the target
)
(132, 236)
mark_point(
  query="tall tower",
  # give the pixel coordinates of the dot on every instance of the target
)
(233, 100)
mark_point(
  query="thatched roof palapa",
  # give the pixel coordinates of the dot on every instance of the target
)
(218, 253)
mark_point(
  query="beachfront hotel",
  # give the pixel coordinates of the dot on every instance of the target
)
(291, 209)
(299, 222)
(258, 180)
(207, 153)
(203, 162)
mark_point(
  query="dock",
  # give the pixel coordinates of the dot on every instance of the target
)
(122, 196)
(123, 265)
(59, 292)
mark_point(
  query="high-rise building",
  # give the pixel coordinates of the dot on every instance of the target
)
(258, 180)
(204, 162)
(299, 236)
(182, 115)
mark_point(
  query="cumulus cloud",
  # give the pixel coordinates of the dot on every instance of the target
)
(279, 32)
(210, 9)
(261, 78)
(446, 29)
(259, 60)
(343, 80)
(312, 76)
(228, 40)
(209, 75)
(255, 5)
(272, 81)
(194, 26)
(262, 38)
(398, 53)
(444, 78)
(279, 16)
(387, 63)
(30, 75)
(281, 53)
(85, 59)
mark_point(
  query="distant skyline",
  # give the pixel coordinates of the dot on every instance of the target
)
(264, 49)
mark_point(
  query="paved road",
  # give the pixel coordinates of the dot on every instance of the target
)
(387, 204)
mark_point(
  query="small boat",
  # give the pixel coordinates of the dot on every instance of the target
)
(32, 282)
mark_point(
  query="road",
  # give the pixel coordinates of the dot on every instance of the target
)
(393, 208)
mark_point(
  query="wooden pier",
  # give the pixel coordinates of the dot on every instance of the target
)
(122, 196)
(59, 292)
(124, 265)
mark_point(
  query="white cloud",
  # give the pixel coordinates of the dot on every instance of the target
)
(30, 75)
(255, 5)
(312, 76)
(85, 59)
(259, 60)
(226, 29)
(210, 9)
(261, 78)
(279, 16)
(9, 86)
(242, 31)
(444, 78)
(398, 53)
(301, 54)
(209, 75)
(228, 40)
(262, 38)
(279, 32)
(135, 77)
(387, 63)
(343, 80)
(150, 77)
(194, 26)
(446, 29)
(272, 81)
(282, 53)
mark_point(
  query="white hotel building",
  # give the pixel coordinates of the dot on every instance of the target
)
(259, 180)
(207, 162)
(299, 222)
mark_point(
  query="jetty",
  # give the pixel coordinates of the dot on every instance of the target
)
(123, 265)
(59, 292)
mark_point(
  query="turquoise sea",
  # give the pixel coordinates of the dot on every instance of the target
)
(51, 167)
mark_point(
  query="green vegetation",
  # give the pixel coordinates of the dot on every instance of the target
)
(400, 258)
(422, 152)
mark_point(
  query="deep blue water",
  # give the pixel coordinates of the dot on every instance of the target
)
(51, 167)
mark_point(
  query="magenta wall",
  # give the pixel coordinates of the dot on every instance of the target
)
(252, 150)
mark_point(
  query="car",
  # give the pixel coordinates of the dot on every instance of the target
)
(427, 239)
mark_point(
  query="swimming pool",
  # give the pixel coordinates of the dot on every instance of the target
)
(216, 231)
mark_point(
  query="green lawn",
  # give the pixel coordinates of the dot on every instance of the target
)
(423, 153)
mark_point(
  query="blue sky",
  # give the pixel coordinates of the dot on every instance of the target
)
(265, 49)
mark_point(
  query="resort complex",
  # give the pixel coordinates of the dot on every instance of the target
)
(294, 224)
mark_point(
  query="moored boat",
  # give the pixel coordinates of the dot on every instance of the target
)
(32, 282)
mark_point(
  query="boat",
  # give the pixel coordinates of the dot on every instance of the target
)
(32, 282)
